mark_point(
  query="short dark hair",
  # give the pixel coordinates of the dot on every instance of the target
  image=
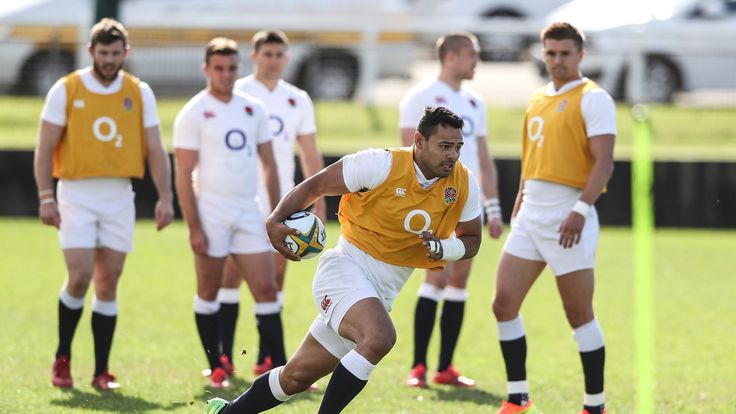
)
(220, 46)
(269, 36)
(438, 115)
(561, 31)
(108, 31)
(452, 42)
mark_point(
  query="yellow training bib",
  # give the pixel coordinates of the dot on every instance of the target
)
(385, 222)
(104, 134)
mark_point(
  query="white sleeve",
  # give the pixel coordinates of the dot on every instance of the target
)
(599, 113)
(264, 132)
(482, 126)
(367, 169)
(187, 129)
(150, 112)
(54, 108)
(471, 209)
(308, 125)
(410, 110)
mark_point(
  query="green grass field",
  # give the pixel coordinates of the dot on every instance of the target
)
(157, 356)
(679, 133)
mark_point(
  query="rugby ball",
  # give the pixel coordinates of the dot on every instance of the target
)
(312, 239)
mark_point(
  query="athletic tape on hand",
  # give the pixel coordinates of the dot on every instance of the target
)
(434, 247)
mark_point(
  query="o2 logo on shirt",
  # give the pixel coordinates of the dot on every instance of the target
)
(534, 130)
(277, 125)
(105, 123)
(411, 215)
(468, 127)
(235, 139)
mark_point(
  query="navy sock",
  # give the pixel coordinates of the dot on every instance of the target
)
(103, 329)
(68, 320)
(514, 356)
(450, 323)
(593, 366)
(208, 327)
(256, 399)
(228, 316)
(342, 388)
(272, 333)
(424, 316)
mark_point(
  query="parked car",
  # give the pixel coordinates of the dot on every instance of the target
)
(495, 46)
(686, 44)
(46, 39)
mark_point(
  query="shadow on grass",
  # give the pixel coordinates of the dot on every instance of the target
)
(474, 395)
(239, 386)
(104, 401)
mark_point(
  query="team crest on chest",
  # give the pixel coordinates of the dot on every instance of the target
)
(450, 195)
(208, 114)
(561, 107)
(440, 99)
(127, 104)
(248, 110)
(292, 102)
(473, 103)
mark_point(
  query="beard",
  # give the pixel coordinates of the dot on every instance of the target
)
(103, 71)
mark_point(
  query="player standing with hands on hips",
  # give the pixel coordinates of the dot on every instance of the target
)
(291, 119)
(400, 209)
(219, 136)
(99, 128)
(567, 159)
(458, 54)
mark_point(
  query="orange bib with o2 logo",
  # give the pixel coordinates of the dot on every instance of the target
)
(104, 134)
(385, 222)
(555, 146)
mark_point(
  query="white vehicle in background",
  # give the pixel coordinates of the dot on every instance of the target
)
(494, 46)
(329, 39)
(684, 45)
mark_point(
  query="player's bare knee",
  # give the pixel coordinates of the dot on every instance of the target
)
(503, 309)
(377, 344)
(208, 293)
(77, 286)
(264, 292)
(578, 315)
(295, 380)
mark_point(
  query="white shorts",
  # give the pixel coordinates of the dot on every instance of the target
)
(339, 283)
(538, 239)
(96, 212)
(232, 226)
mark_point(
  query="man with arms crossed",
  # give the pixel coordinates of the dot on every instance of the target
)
(401, 209)
(567, 159)
(219, 137)
(291, 121)
(458, 55)
(99, 127)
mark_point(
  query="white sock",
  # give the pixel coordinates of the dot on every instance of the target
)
(589, 337)
(228, 295)
(205, 307)
(70, 301)
(105, 307)
(266, 308)
(455, 294)
(431, 292)
(594, 400)
(275, 384)
(357, 365)
(510, 330)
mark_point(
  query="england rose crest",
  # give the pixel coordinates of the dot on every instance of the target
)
(450, 195)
